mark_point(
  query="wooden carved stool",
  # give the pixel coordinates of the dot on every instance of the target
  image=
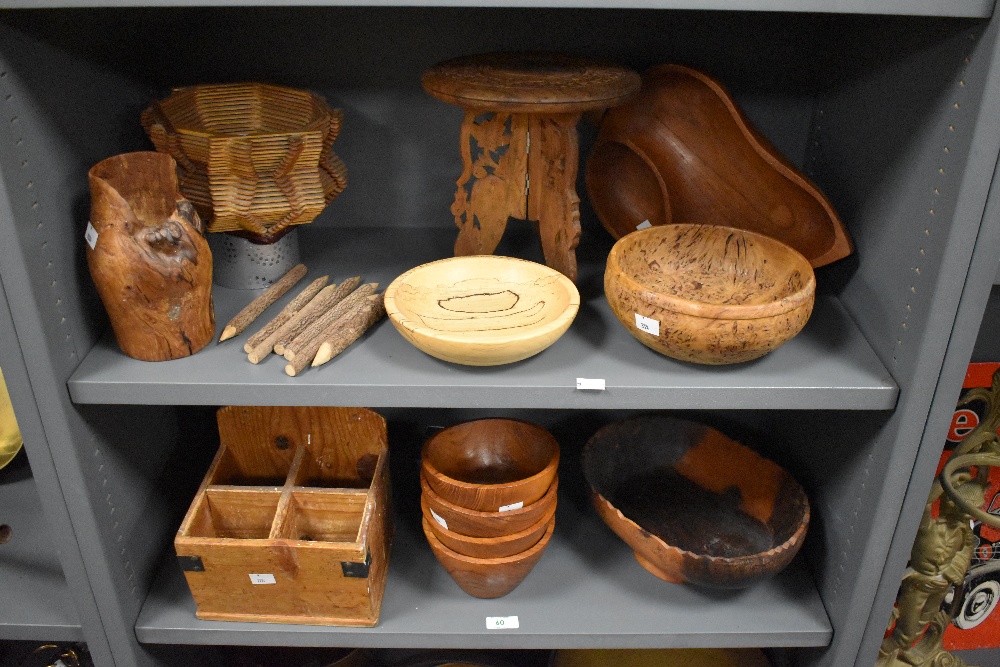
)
(519, 143)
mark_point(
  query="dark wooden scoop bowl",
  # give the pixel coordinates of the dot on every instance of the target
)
(694, 505)
(681, 151)
(491, 463)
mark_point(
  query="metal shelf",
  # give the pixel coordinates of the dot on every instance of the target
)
(829, 365)
(587, 591)
(37, 604)
(960, 8)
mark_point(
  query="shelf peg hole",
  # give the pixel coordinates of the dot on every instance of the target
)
(6, 532)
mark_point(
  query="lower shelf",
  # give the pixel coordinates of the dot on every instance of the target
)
(586, 592)
(35, 602)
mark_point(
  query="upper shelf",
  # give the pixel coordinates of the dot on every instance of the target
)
(962, 8)
(37, 604)
(829, 365)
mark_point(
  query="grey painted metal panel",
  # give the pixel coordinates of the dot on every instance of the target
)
(972, 8)
(829, 365)
(587, 591)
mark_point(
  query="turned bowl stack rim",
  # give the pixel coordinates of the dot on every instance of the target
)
(487, 542)
(647, 293)
(453, 487)
(438, 546)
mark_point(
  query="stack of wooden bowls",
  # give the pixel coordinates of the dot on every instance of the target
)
(489, 501)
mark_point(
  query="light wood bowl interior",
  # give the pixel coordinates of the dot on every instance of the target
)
(491, 463)
(474, 523)
(695, 505)
(720, 295)
(487, 577)
(482, 310)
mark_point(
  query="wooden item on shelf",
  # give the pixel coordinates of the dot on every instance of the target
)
(292, 523)
(708, 294)
(253, 157)
(489, 464)
(482, 311)
(339, 317)
(313, 336)
(474, 523)
(148, 259)
(694, 505)
(327, 298)
(519, 143)
(489, 547)
(341, 337)
(487, 577)
(255, 308)
(681, 151)
(294, 306)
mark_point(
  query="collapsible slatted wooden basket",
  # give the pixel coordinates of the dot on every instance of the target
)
(252, 157)
(292, 523)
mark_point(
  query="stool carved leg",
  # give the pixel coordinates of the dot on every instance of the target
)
(491, 188)
(552, 198)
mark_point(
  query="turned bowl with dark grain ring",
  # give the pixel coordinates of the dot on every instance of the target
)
(694, 505)
(487, 464)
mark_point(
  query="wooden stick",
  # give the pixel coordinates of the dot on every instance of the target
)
(349, 309)
(245, 317)
(294, 306)
(313, 311)
(316, 304)
(372, 310)
(319, 327)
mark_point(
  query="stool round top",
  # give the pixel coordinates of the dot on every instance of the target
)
(532, 82)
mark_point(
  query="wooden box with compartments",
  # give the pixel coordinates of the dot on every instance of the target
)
(292, 523)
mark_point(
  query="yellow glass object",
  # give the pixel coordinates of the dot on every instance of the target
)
(10, 434)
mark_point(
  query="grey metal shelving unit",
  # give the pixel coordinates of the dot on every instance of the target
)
(888, 105)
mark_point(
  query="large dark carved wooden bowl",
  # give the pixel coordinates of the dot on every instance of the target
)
(681, 151)
(489, 464)
(707, 294)
(694, 505)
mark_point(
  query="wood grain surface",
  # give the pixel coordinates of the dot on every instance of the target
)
(681, 151)
(482, 310)
(711, 295)
(149, 261)
(475, 523)
(489, 547)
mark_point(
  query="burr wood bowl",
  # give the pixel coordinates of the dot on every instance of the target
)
(708, 294)
(482, 310)
(474, 523)
(488, 464)
(489, 547)
(487, 577)
(694, 505)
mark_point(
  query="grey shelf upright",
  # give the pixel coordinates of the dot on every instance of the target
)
(888, 106)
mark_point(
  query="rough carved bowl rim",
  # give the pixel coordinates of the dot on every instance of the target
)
(647, 293)
(770, 561)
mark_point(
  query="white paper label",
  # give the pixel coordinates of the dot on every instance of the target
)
(501, 623)
(262, 579)
(595, 384)
(439, 519)
(647, 324)
(513, 506)
(91, 236)
(645, 224)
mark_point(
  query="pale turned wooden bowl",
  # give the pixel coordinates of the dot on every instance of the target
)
(487, 577)
(694, 505)
(482, 310)
(489, 547)
(474, 523)
(491, 463)
(717, 295)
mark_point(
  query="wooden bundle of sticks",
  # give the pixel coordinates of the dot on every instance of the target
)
(317, 325)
